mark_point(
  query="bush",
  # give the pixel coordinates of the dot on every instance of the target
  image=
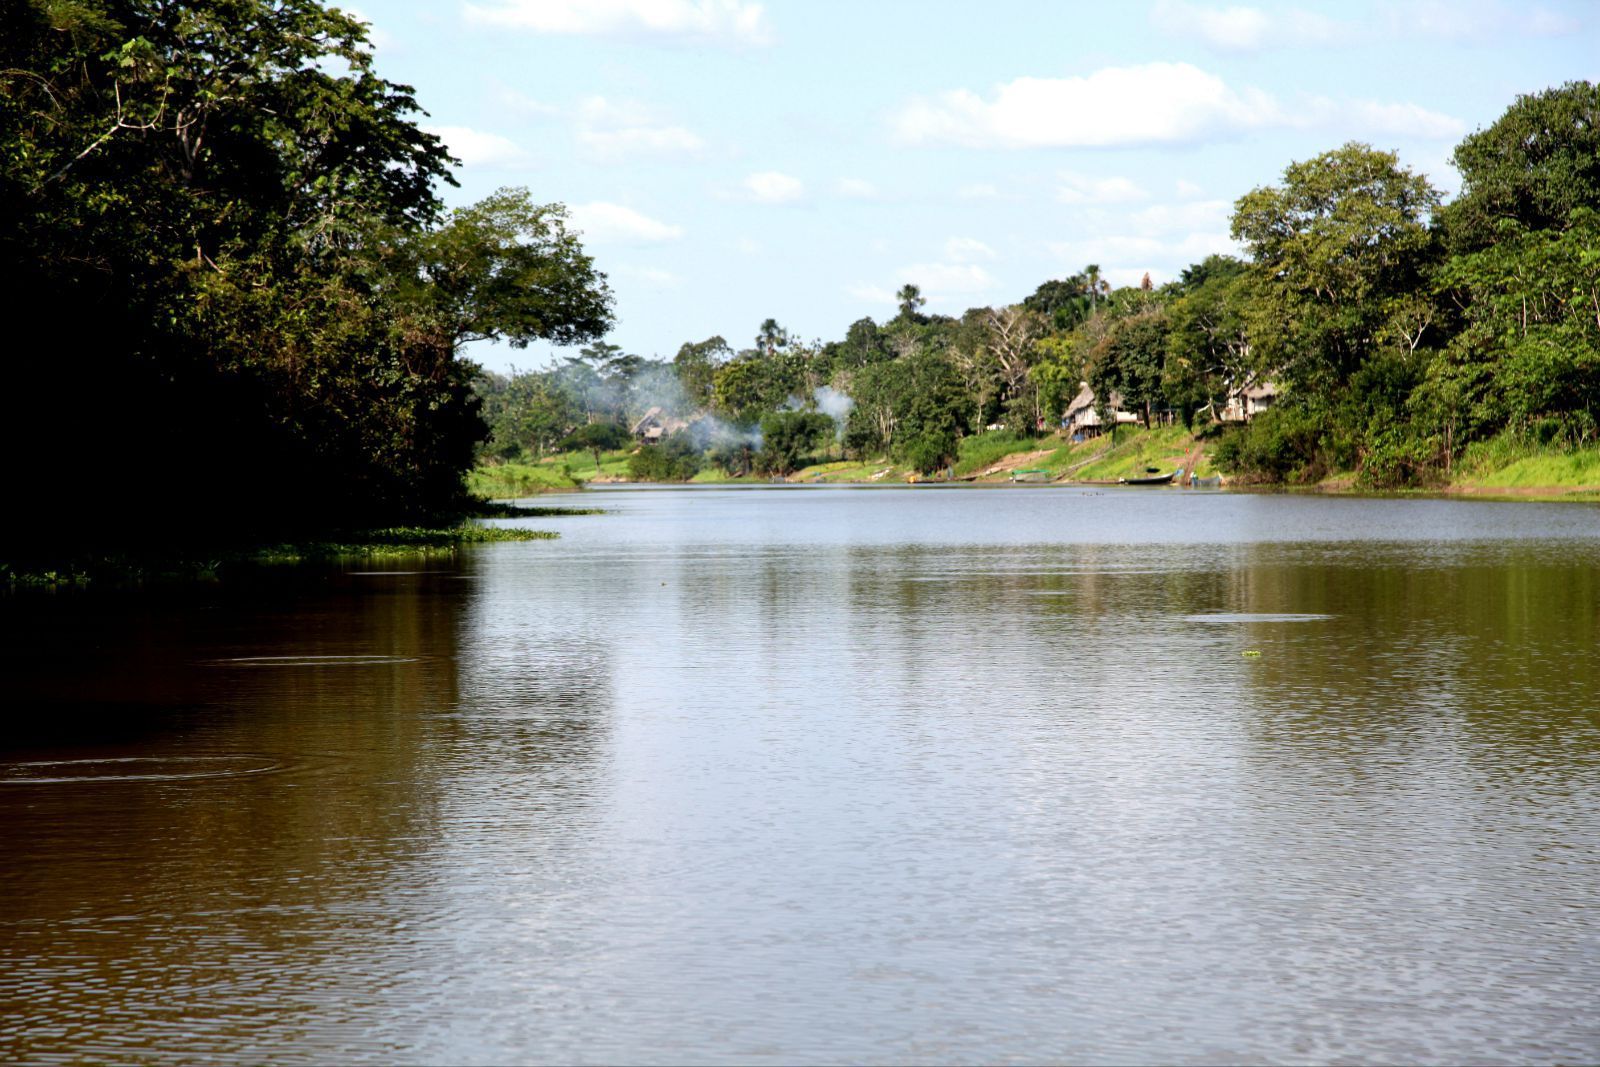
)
(929, 452)
(673, 460)
(1281, 444)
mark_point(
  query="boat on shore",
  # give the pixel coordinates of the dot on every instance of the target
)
(1153, 479)
(1032, 474)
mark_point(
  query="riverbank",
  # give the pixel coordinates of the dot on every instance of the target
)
(1489, 470)
(187, 563)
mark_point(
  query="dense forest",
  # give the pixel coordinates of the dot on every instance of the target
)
(237, 304)
(1397, 329)
(235, 300)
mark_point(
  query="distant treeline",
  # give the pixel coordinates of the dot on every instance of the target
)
(233, 298)
(1397, 328)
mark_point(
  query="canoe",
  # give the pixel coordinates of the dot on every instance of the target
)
(1154, 479)
(1031, 475)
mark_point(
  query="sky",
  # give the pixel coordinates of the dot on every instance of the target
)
(730, 161)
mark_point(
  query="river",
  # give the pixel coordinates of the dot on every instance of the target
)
(824, 774)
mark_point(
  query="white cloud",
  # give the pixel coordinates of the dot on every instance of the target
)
(1129, 252)
(871, 294)
(640, 140)
(1188, 217)
(1247, 29)
(966, 250)
(1081, 189)
(1157, 103)
(1402, 120)
(856, 189)
(1477, 20)
(1188, 190)
(772, 187)
(979, 191)
(523, 104)
(615, 224)
(939, 280)
(747, 246)
(654, 276)
(478, 148)
(614, 130)
(727, 21)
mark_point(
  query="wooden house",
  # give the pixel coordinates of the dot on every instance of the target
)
(1249, 401)
(1082, 417)
(656, 425)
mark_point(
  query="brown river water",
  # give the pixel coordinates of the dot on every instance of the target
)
(827, 775)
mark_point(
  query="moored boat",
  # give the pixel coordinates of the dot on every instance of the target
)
(1153, 479)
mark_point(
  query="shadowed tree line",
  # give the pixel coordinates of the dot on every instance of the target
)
(234, 298)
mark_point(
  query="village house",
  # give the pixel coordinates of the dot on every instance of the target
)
(1246, 403)
(656, 425)
(1082, 419)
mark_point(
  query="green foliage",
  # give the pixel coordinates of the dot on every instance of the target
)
(1283, 444)
(673, 460)
(1534, 166)
(929, 451)
(595, 438)
(1344, 235)
(228, 222)
(983, 450)
(789, 436)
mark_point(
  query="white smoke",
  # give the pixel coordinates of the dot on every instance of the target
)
(834, 404)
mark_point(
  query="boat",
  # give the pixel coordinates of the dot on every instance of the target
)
(1032, 474)
(1153, 479)
(1213, 482)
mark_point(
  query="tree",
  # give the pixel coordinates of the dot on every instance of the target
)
(1013, 333)
(771, 337)
(911, 301)
(595, 438)
(697, 364)
(241, 216)
(1209, 348)
(1533, 166)
(1096, 286)
(1342, 236)
(508, 269)
(786, 436)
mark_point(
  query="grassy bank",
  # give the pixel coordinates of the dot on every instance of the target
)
(1519, 467)
(1504, 466)
(561, 473)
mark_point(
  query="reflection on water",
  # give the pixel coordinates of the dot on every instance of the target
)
(829, 775)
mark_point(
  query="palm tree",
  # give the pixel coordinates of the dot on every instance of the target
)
(911, 300)
(771, 337)
(1097, 285)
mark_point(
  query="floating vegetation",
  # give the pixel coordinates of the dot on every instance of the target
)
(495, 510)
(398, 541)
(392, 542)
(1251, 653)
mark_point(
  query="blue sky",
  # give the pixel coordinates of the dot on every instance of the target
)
(730, 161)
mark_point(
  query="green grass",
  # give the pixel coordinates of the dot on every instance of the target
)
(1507, 463)
(986, 449)
(1136, 448)
(554, 474)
